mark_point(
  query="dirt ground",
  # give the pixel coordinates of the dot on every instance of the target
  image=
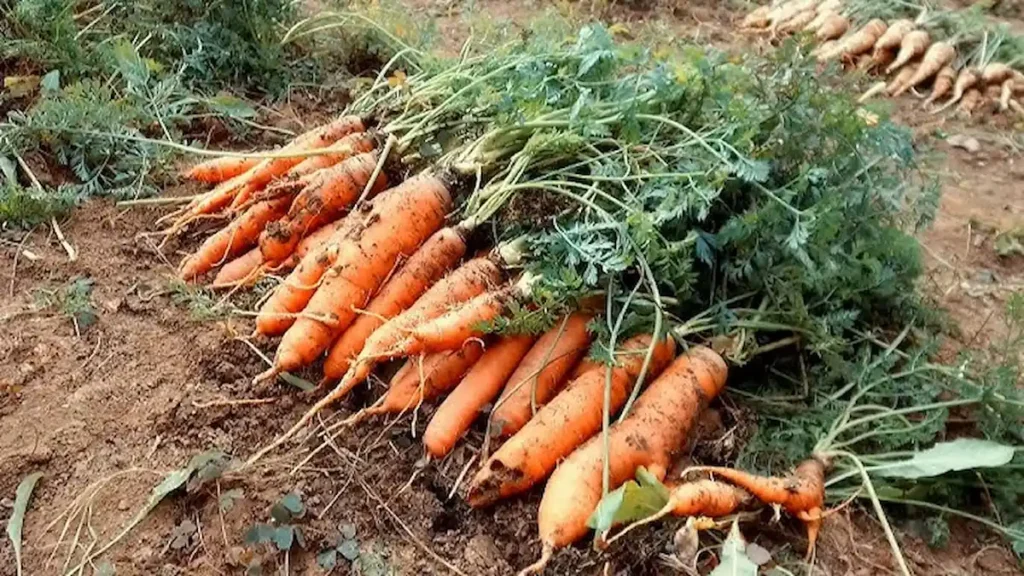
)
(121, 403)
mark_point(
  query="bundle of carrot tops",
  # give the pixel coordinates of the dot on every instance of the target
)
(570, 241)
(908, 50)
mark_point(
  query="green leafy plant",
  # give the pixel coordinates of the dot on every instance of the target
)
(344, 544)
(73, 300)
(281, 532)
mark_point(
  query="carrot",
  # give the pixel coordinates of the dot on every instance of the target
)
(901, 79)
(832, 28)
(219, 197)
(943, 84)
(220, 169)
(783, 13)
(653, 432)
(894, 35)
(343, 149)
(240, 270)
(698, 498)
(427, 378)
(914, 44)
(585, 365)
(232, 239)
(881, 58)
(480, 385)
(393, 228)
(857, 43)
(541, 373)
(825, 47)
(423, 269)
(967, 79)
(820, 17)
(270, 168)
(970, 102)
(452, 329)
(326, 196)
(797, 23)
(801, 493)
(570, 419)
(996, 73)
(1007, 90)
(938, 56)
(758, 18)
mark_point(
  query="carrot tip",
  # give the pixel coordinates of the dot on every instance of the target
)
(538, 566)
(266, 375)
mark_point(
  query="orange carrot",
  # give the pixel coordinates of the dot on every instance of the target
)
(758, 18)
(801, 493)
(327, 195)
(653, 432)
(232, 239)
(966, 80)
(832, 28)
(220, 169)
(343, 149)
(423, 269)
(570, 419)
(697, 498)
(914, 44)
(821, 15)
(426, 378)
(938, 56)
(585, 365)
(541, 373)
(450, 330)
(894, 35)
(362, 263)
(241, 270)
(857, 43)
(481, 384)
(258, 176)
(881, 58)
(943, 84)
(1006, 92)
(797, 23)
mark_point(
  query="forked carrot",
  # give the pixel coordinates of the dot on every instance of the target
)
(541, 374)
(220, 169)
(231, 240)
(653, 432)
(480, 385)
(698, 498)
(567, 421)
(937, 56)
(943, 84)
(423, 269)
(966, 80)
(395, 227)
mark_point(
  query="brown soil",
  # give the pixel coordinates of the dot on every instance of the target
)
(134, 392)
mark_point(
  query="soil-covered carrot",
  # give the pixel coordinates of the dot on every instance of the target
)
(758, 18)
(583, 366)
(426, 378)
(653, 432)
(821, 16)
(938, 56)
(901, 79)
(698, 498)
(567, 421)
(858, 43)
(481, 384)
(832, 28)
(343, 149)
(996, 73)
(327, 195)
(797, 23)
(423, 269)
(220, 169)
(394, 228)
(1007, 90)
(783, 13)
(801, 493)
(231, 240)
(914, 44)
(943, 84)
(966, 80)
(541, 373)
(970, 102)
(240, 270)
(894, 34)
(452, 329)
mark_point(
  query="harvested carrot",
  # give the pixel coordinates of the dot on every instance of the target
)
(569, 420)
(1006, 92)
(220, 169)
(452, 329)
(858, 43)
(881, 58)
(914, 44)
(968, 78)
(783, 13)
(653, 432)
(894, 34)
(698, 498)
(996, 73)
(801, 493)
(970, 102)
(583, 366)
(797, 23)
(423, 269)
(395, 227)
(832, 28)
(541, 373)
(343, 149)
(905, 75)
(232, 239)
(819, 19)
(938, 56)
(943, 84)
(758, 18)
(426, 378)
(326, 196)
(480, 385)
(241, 270)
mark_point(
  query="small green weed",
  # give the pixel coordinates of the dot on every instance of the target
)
(201, 303)
(281, 532)
(73, 300)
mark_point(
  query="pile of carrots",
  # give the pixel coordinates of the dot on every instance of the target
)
(901, 50)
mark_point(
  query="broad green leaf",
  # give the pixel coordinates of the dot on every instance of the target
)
(732, 560)
(634, 500)
(283, 537)
(293, 502)
(327, 559)
(231, 106)
(960, 454)
(227, 499)
(50, 82)
(8, 170)
(349, 549)
(14, 524)
(348, 530)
